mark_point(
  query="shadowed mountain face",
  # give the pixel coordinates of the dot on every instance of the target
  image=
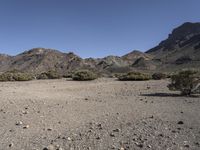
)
(180, 50)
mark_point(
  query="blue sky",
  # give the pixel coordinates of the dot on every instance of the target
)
(91, 28)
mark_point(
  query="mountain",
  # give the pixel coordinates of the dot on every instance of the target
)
(39, 59)
(134, 55)
(181, 49)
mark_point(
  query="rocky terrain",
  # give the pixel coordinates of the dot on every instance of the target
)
(100, 114)
(105, 113)
(180, 50)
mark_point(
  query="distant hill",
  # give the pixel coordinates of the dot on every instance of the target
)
(180, 50)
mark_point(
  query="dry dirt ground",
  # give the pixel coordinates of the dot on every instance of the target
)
(97, 115)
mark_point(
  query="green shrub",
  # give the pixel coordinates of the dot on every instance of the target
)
(22, 77)
(84, 75)
(6, 77)
(159, 76)
(17, 76)
(134, 76)
(49, 75)
(187, 82)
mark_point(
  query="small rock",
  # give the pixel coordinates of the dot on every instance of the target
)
(69, 139)
(11, 130)
(197, 143)
(98, 138)
(112, 135)
(151, 117)
(148, 146)
(116, 130)
(100, 126)
(161, 135)
(19, 123)
(25, 112)
(139, 145)
(180, 122)
(173, 131)
(113, 147)
(26, 127)
(11, 145)
(51, 147)
(187, 146)
(49, 129)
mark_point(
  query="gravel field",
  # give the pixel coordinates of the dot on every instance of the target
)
(103, 114)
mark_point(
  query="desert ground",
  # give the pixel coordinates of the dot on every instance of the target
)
(103, 114)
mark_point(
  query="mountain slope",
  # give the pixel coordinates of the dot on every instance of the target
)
(182, 45)
(181, 50)
(39, 59)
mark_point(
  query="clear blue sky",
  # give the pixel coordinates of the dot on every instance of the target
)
(93, 28)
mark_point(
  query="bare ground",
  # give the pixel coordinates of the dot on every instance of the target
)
(97, 115)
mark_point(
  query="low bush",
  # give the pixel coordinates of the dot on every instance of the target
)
(49, 75)
(159, 76)
(134, 76)
(68, 75)
(18, 76)
(84, 75)
(187, 82)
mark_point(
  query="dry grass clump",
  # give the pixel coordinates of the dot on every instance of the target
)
(84, 75)
(134, 76)
(187, 82)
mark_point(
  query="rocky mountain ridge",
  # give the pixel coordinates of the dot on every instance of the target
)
(180, 50)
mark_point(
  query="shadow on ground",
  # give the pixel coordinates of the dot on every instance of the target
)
(169, 95)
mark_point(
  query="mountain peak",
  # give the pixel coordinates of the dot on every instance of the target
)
(39, 51)
(180, 36)
(185, 29)
(134, 55)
